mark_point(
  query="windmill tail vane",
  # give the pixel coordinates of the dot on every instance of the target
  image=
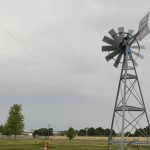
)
(130, 115)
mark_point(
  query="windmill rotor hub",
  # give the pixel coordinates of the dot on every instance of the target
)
(122, 47)
(119, 44)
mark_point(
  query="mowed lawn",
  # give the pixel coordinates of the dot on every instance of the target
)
(20, 145)
(58, 144)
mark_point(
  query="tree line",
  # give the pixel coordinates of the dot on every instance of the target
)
(95, 132)
(105, 132)
(43, 132)
(15, 125)
(139, 132)
(71, 133)
(90, 132)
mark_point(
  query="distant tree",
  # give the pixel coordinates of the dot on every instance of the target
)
(147, 130)
(50, 131)
(113, 133)
(1, 128)
(99, 131)
(40, 131)
(129, 134)
(43, 132)
(91, 131)
(82, 132)
(139, 132)
(35, 133)
(107, 132)
(15, 121)
(136, 133)
(71, 133)
(76, 132)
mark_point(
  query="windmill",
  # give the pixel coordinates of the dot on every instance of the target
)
(129, 115)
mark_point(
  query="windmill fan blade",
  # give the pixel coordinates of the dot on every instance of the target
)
(111, 55)
(130, 31)
(114, 35)
(137, 47)
(110, 41)
(137, 54)
(121, 33)
(134, 62)
(118, 60)
(109, 48)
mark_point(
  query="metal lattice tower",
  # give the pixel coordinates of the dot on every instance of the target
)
(130, 115)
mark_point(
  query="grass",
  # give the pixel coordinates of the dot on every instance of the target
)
(75, 145)
(19, 145)
(90, 143)
(85, 145)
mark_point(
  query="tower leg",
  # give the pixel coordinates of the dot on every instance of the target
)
(116, 102)
(124, 100)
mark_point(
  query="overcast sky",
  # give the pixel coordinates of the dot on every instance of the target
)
(51, 60)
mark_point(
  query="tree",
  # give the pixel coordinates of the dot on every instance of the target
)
(128, 134)
(147, 130)
(139, 132)
(45, 131)
(71, 133)
(107, 132)
(91, 131)
(15, 121)
(76, 132)
(82, 132)
(35, 133)
(99, 131)
(6, 130)
(1, 128)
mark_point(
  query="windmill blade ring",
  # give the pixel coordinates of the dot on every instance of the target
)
(118, 43)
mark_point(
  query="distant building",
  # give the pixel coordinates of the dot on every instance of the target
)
(28, 132)
(57, 133)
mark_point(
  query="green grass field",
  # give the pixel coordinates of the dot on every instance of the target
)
(58, 144)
